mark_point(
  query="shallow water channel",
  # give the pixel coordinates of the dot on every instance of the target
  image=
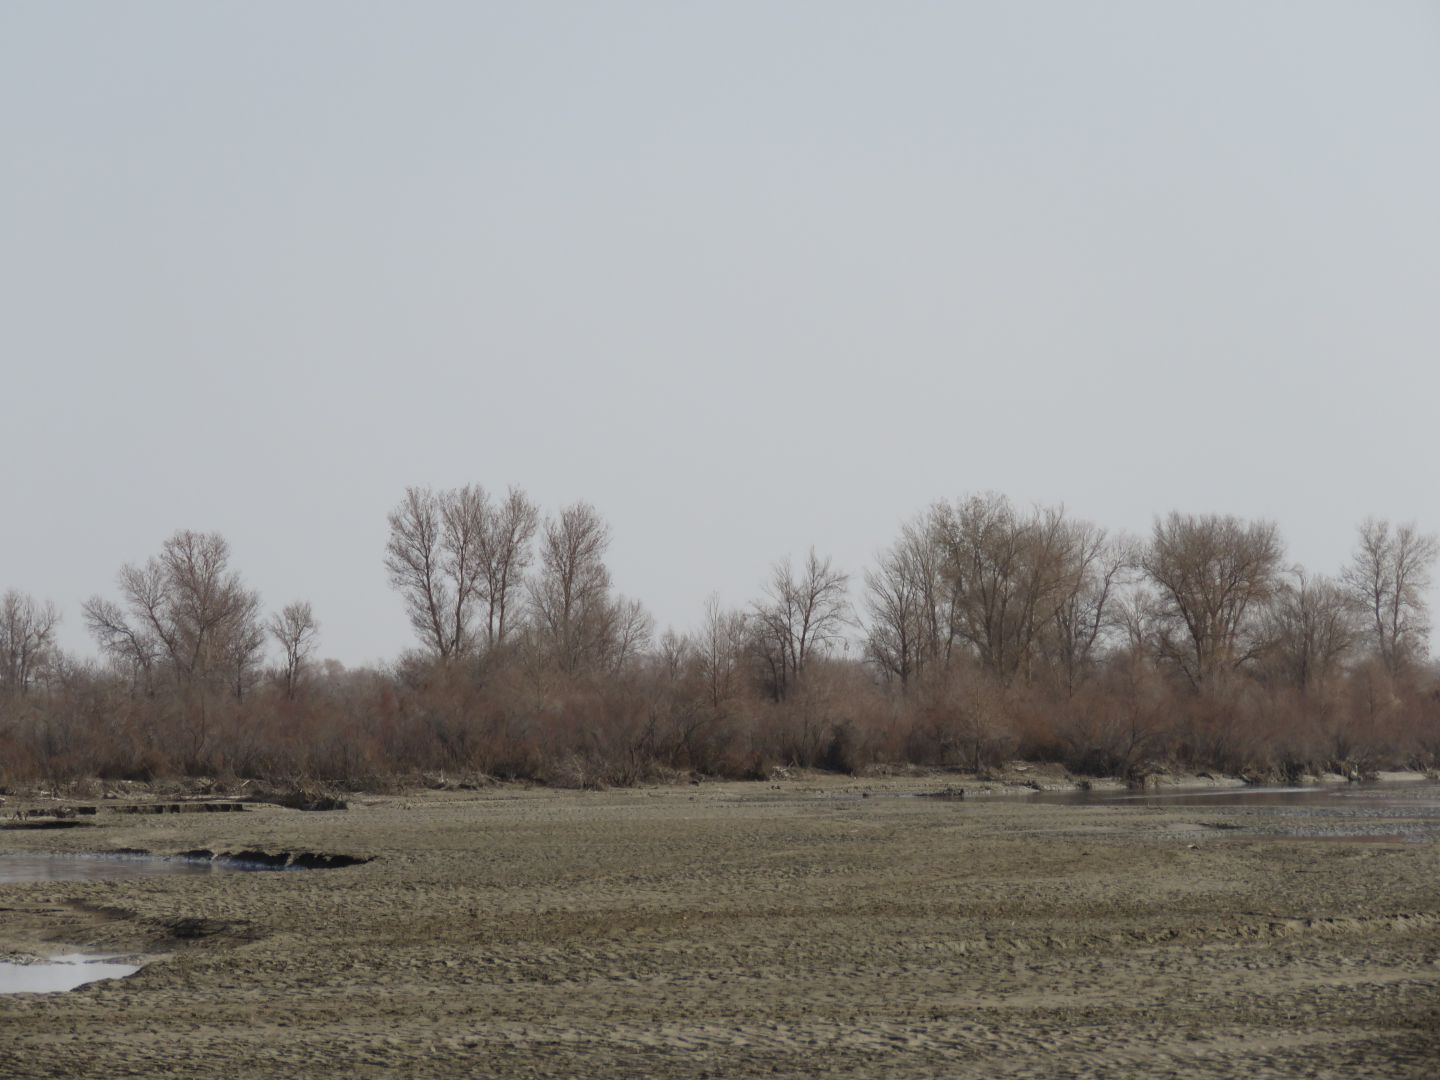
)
(1417, 794)
(15, 869)
(1379, 812)
(77, 969)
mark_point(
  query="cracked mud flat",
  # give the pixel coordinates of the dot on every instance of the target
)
(737, 929)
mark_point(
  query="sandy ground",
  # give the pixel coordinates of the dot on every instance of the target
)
(742, 929)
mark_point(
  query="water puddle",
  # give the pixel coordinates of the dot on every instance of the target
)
(62, 973)
(1410, 796)
(40, 976)
(119, 866)
(15, 869)
(1355, 812)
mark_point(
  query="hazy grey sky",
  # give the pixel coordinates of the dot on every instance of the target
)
(747, 276)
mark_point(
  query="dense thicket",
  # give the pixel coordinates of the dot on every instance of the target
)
(984, 632)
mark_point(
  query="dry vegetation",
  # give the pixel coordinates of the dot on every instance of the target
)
(983, 633)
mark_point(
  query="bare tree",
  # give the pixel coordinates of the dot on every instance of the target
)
(627, 632)
(800, 616)
(506, 555)
(244, 649)
(1086, 614)
(926, 559)
(721, 646)
(674, 654)
(701, 673)
(27, 640)
(1309, 627)
(1009, 574)
(414, 559)
(899, 596)
(295, 630)
(1213, 576)
(184, 611)
(570, 598)
(1134, 612)
(436, 559)
(128, 643)
(1387, 578)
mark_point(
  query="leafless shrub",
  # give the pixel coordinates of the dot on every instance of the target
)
(987, 631)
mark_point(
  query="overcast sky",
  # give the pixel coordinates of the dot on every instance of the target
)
(747, 276)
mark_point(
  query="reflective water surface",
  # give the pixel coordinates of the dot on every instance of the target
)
(1376, 812)
(78, 969)
(21, 868)
(1415, 796)
(61, 973)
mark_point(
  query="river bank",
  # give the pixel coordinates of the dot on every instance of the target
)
(809, 925)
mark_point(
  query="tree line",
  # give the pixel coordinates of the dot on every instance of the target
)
(985, 631)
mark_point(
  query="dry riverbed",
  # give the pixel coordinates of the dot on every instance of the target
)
(809, 926)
